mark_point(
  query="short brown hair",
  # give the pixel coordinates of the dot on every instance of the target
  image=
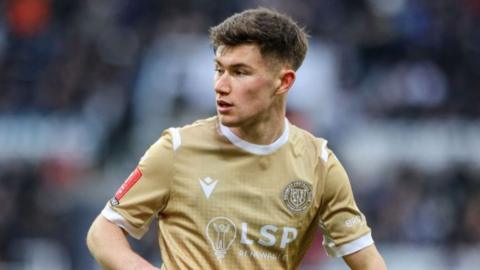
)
(276, 34)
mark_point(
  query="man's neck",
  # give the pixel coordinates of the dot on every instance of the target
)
(262, 133)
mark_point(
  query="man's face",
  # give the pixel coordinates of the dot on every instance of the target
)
(245, 85)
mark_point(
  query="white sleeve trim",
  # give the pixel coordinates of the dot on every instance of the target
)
(177, 139)
(120, 221)
(350, 247)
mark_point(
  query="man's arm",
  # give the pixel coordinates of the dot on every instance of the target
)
(108, 244)
(366, 259)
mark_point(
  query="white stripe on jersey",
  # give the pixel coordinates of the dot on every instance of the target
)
(325, 151)
(177, 140)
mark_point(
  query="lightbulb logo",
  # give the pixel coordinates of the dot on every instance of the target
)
(221, 233)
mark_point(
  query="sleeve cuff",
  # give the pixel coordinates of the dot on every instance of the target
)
(120, 221)
(350, 247)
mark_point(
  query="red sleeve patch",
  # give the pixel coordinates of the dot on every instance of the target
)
(129, 182)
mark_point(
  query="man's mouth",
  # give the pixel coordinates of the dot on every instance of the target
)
(222, 103)
(223, 106)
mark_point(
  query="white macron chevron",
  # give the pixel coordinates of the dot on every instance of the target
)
(208, 185)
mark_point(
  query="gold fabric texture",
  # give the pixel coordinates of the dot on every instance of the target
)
(221, 207)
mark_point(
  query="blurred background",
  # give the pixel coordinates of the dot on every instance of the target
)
(87, 86)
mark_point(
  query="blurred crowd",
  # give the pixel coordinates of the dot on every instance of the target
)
(419, 207)
(123, 70)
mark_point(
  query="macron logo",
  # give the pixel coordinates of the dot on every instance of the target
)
(208, 185)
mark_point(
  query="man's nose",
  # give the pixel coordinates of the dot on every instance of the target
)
(222, 84)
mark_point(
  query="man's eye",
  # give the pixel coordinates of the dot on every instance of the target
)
(240, 72)
(219, 70)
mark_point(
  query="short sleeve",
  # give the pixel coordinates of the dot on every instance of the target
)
(344, 227)
(145, 192)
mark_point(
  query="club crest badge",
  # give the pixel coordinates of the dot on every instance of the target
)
(297, 196)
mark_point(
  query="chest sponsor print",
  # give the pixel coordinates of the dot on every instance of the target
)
(221, 233)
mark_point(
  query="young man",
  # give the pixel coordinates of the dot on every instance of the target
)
(245, 189)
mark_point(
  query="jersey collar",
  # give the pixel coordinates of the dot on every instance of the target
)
(257, 149)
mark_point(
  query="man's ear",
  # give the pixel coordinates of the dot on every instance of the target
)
(286, 79)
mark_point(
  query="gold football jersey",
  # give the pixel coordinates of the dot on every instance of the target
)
(224, 203)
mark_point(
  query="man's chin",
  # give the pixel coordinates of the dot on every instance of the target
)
(227, 121)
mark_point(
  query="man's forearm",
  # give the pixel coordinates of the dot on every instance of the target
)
(108, 244)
